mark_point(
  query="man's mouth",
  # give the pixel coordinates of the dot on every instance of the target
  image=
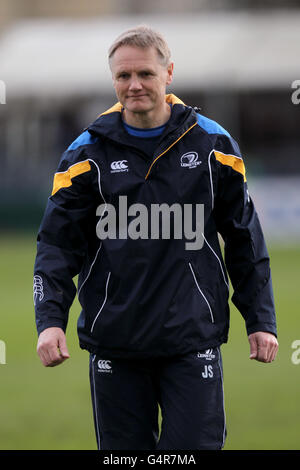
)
(136, 96)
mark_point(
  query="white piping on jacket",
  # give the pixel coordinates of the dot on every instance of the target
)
(224, 277)
(104, 301)
(210, 178)
(100, 191)
(209, 307)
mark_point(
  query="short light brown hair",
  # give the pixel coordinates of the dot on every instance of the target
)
(143, 36)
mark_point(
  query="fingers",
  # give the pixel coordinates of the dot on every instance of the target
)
(52, 347)
(273, 351)
(62, 344)
(263, 346)
(253, 347)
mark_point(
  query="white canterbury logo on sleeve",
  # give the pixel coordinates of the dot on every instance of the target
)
(38, 288)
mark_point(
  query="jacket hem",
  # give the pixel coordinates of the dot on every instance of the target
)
(147, 354)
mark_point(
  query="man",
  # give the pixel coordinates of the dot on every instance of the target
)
(154, 310)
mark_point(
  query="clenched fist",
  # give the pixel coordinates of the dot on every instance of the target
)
(52, 347)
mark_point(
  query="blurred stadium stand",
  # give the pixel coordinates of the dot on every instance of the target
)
(234, 60)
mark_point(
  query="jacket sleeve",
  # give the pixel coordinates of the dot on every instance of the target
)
(246, 256)
(62, 240)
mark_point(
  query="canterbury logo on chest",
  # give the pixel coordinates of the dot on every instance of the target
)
(119, 166)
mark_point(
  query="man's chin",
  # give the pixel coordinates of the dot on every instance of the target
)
(138, 105)
(138, 108)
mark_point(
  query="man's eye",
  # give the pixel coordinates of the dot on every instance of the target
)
(123, 76)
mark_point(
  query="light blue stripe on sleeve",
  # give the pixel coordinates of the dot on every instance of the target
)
(84, 139)
(210, 126)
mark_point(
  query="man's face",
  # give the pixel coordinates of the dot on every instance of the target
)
(140, 79)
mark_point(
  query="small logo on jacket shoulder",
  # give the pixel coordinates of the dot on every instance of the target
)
(118, 166)
(190, 160)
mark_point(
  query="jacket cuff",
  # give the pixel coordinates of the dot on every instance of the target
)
(50, 323)
(266, 327)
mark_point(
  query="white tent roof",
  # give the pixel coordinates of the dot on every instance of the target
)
(221, 50)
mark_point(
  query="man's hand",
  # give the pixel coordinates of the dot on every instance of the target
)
(52, 347)
(263, 346)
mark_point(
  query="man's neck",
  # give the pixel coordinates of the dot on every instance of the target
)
(147, 120)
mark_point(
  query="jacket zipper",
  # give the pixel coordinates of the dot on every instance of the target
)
(198, 287)
(165, 151)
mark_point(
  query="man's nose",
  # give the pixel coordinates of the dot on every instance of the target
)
(135, 84)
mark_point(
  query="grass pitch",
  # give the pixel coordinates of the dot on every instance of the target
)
(50, 408)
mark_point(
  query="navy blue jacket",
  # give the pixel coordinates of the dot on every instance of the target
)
(152, 297)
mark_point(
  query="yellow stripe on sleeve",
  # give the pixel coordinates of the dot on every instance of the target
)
(64, 179)
(236, 163)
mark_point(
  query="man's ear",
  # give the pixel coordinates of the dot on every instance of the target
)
(170, 70)
(113, 82)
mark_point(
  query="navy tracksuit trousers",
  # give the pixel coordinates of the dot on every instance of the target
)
(189, 390)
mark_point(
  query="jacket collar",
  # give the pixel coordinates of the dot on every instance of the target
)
(109, 124)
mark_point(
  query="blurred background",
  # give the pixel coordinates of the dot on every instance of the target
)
(238, 60)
